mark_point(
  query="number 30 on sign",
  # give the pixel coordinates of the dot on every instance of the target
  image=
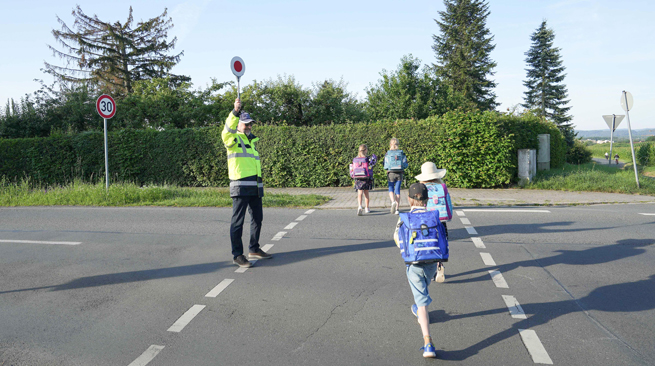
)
(106, 106)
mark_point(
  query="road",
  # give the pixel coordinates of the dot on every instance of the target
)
(155, 286)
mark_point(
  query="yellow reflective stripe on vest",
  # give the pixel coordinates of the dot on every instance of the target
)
(242, 155)
(229, 129)
(243, 183)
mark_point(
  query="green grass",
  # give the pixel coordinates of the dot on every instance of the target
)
(127, 194)
(621, 148)
(593, 178)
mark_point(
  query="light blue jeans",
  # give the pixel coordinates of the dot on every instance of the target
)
(419, 277)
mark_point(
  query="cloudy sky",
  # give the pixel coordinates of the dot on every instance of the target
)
(606, 46)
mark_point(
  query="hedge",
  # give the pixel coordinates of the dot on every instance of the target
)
(479, 150)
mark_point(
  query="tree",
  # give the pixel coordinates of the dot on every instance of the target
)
(331, 103)
(546, 94)
(462, 50)
(116, 55)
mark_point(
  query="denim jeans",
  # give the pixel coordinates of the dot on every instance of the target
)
(254, 206)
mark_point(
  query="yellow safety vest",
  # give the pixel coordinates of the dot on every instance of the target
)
(244, 166)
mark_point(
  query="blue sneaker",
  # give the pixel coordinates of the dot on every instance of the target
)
(429, 351)
(415, 310)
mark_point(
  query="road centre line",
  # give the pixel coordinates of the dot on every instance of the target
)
(498, 279)
(471, 230)
(219, 288)
(503, 210)
(534, 346)
(515, 309)
(465, 221)
(147, 356)
(279, 235)
(309, 211)
(648, 214)
(301, 217)
(186, 318)
(41, 242)
(478, 243)
(487, 259)
(460, 213)
(290, 226)
(265, 248)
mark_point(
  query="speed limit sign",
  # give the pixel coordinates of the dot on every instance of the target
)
(106, 106)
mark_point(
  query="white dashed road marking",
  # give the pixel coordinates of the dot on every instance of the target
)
(290, 226)
(220, 287)
(301, 217)
(648, 214)
(147, 356)
(515, 309)
(504, 210)
(465, 221)
(186, 318)
(486, 258)
(498, 279)
(41, 242)
(471, 230)
(478, 243)
(267, 247)
(309, 211)
(460, 213)
(534, 346)
(279, 235)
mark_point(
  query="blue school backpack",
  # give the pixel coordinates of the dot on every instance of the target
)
(422, 238)
(439, 200)
(395, 160)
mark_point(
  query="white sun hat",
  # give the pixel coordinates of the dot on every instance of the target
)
(429, 171)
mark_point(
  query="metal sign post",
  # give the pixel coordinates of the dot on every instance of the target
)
(106, 108)
(626, 104)
(238, 69)
(613, 122)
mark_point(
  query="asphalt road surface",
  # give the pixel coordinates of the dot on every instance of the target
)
(156, 286)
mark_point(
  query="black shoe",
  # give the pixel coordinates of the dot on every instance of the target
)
(259, 254)
(241, 261)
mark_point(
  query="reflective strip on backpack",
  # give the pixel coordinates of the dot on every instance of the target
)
(425, 240)
(430, 248)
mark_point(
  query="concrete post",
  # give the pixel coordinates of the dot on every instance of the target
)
(543, 155)
(527, 165)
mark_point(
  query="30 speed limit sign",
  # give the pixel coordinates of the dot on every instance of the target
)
(106, 106)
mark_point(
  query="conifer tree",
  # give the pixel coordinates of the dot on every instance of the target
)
(463, 51)
(546, 94)
(113, 56)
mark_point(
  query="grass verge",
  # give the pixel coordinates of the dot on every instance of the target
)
(593, 177)
(127, 194)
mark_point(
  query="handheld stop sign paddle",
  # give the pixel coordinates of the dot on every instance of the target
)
(106, 107)
(238, 68)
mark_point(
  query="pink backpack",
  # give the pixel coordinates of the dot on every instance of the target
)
(359, 169)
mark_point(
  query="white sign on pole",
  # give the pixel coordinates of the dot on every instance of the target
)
(238, 66)
(627, 97)
(106, 106)
(608, 119)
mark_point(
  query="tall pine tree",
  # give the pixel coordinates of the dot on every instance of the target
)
(546, 94)
(462, 51)
(113, 56)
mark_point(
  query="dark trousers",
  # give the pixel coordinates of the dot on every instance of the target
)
(254, 206)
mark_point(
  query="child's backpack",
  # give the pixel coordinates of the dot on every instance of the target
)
(359, 169)
(422, 238)
(395, 160)
(439, 200)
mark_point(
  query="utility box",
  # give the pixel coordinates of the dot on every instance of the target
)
(543, 154)
(527, 165)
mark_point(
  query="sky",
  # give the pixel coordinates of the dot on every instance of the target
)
(606, 46)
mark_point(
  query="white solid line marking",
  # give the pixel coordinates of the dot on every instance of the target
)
(465, 221)
(498, 279)
(290, 226)
(486, 258)
(534, 346)
(279, 235)
(460, 213)
(301, 217)
(471, 230)
(478, 243)
(186, 318)
(309, 211)
(267, 247)
(504, 210)
(42, 242)
(147, 356)
(220, 287)
(648, 214)
(515, 309)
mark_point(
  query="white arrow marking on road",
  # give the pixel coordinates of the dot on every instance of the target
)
(279, 235)
(504, 210)
(478, 243)
(465, 221)
(309, 211)
(486, 258)
(515, 309)
(186, 318)
(219, 288)
(460, 213)
(471, 230)
(498, 279)
(534, 346)
(301, 217)
(147, 356)
(290, 226)
(42, 242)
